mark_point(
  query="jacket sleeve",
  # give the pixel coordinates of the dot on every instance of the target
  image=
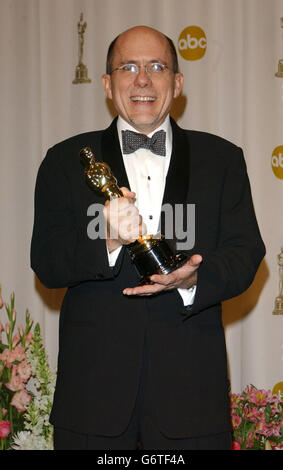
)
(229, 270)
(62, 254)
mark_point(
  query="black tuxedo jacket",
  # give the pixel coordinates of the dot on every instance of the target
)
(102, 331)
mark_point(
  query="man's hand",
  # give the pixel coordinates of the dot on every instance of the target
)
(184, 278)
(124, 224)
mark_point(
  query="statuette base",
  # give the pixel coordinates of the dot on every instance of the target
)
(278, 306)
(280, 69)
(81, 74)
(154, 256)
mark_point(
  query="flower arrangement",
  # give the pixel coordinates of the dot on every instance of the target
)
(257, 420)
(26, 386)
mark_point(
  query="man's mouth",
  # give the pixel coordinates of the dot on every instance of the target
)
(142, 98)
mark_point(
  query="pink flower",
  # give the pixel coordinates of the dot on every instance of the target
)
(16, 340)
(18, 353)
(9, 356)
(5, 429)
(235, 400)
(236, 420)
(6, 358)
(260, 397)
(276, 398)
(21, 400)
(24, 370)
(20, 374)
(4, 411)
(250, 440)
(276, 430)
(251, 413)
(28, 338)
(269, 429)
(275, 408)
(16, 382)
(262, 428)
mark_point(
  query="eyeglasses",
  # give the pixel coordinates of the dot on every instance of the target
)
(152, 68)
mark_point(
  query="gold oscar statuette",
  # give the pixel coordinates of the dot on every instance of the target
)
(81, 69)
(278, 304)
(280, 63)
(149, 254)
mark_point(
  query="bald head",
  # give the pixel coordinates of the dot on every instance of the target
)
(147, 33)
(142, 98)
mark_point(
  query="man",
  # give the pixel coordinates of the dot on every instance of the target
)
(144, 363)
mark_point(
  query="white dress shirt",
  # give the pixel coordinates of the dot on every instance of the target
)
(146, 174)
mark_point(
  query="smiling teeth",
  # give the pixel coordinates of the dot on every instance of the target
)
(142, 98)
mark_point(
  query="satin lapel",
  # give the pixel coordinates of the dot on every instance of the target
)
(177, 181)
(111, 154)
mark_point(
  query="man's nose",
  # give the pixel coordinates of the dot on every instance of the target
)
(142, 78)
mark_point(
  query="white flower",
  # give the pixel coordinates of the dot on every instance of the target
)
(38, 432)
(24, 440)
(32, 387)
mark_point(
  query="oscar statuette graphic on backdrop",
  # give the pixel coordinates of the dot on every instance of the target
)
(279, 73)
(278, 305)
(81, 68)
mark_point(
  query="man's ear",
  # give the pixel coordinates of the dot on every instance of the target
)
(106, 82)
(179, 80)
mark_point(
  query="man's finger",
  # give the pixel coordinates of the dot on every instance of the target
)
(148, 289)
(195, 260)
(167, 279)
(127, 192)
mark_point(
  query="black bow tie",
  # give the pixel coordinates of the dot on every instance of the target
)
(133, 141)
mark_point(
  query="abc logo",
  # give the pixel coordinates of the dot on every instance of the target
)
(192, 43)
(277, 162)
